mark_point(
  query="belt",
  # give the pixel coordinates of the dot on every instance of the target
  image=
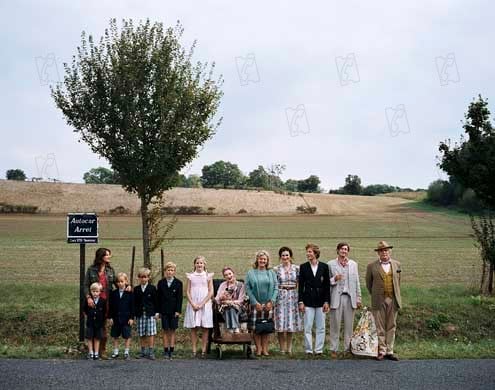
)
(288, 287)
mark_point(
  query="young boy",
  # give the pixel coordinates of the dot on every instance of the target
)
(95, 320)
(121, 315)
(146, 312)
(170, 307)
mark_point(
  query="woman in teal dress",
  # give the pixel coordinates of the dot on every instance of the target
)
(261, 288)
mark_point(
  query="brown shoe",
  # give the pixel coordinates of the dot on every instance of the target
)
(393, 357)
(334, 355)
(380, 357)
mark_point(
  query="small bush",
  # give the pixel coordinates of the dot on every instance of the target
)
(119, 210)
(188, 210)
(17, 209)
(306, 209)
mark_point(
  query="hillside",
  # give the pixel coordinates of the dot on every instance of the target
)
(59, 198)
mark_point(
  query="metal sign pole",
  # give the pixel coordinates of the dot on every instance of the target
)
(82, 297)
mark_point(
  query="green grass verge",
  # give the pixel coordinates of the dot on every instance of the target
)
(38, 321)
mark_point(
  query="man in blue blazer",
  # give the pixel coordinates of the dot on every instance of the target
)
(314, 298)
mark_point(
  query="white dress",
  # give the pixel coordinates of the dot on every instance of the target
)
(199, 290)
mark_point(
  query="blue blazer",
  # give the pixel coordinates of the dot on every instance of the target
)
(121, 309)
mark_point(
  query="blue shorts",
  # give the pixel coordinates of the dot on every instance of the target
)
(169, 321)
(120, 330)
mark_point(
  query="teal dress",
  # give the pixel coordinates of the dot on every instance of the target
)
(261, 287)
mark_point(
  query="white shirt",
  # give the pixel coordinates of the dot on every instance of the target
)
(314, 268)
(121, 292)
(169, 282)
(144, 287)
(385, 267)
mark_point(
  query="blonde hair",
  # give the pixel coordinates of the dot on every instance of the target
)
(144, 272)
(199, 258)
(122, 275)
(258, 255)
(96, 286)
(170, 265)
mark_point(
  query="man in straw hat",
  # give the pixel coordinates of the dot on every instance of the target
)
(383, 283)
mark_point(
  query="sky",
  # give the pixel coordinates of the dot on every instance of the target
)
(327, 88)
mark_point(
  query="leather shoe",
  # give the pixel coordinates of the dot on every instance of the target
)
(380, 356)
(334, 355)
(393, 357)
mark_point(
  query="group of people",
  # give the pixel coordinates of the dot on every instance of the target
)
(284, 299)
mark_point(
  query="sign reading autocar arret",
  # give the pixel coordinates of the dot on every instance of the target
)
(82, 228)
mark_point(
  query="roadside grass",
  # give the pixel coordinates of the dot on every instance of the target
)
(40, 321)
(442, 317)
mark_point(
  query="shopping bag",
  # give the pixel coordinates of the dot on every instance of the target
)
(364, 340)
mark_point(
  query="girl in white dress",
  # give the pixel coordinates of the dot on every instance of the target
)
(199, 313)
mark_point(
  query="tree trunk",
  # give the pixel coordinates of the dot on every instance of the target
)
(490, 279)
(146, 234)
(483, 288)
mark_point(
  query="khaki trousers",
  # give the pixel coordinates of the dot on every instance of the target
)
(386, 322)
(345, 312)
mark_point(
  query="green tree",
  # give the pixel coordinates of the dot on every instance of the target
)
(191, 181)
(100, 175)
(291, 185)
(311, 184)
(139, 101)
(352, 185)
(472, 163)
(15, 174)
(258, 178)
(222, 174)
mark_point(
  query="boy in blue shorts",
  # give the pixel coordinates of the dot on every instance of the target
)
(170, 306)
(146, 312)
(121, 313)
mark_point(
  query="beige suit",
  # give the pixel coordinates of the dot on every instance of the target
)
(384, 309)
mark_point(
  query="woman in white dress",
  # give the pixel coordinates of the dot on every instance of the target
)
(199, 313)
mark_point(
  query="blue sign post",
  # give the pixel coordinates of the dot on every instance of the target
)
(82, 229)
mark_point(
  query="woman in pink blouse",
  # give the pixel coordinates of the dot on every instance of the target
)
(230, 298)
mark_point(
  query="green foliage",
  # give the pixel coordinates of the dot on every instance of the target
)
(376, 189)
(311, 184)
(306, 209)
(222, 174)
(352, 185)
(472, 161)
(101, 175)
(15, 174)
(291, 185)
(137, 99)
(191, 181)
(188, 210)
(258, 178)
(6, 208)
(484, 232)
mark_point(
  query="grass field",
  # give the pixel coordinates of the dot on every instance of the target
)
(39, 271)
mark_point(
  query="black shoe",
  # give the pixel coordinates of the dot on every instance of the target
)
(393, 357)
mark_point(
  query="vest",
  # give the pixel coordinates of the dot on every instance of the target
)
(388, 284)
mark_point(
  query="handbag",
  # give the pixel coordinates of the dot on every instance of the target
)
(264, 326)
(364, 341)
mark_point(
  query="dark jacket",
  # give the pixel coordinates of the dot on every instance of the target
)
(121, 310)
(92, 277)
(95, 316)
(314, 291)
(145, 302)
(169, 298)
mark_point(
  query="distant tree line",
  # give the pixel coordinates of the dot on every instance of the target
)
(224, 174)
(353, 186)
